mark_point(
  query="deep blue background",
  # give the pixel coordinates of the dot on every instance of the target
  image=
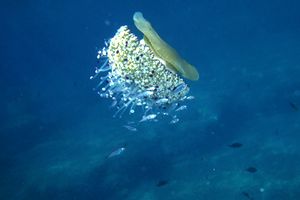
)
(55, 131)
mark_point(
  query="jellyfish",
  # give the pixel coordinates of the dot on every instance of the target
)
(143, 76)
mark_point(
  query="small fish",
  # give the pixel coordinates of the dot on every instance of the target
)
(148, 117)
(151, 88)
(181, 108)
(247, 195)
(180, 88)
(144, 94)
(130, 128)
(235, 145)
(162, 101)
(114, 103)
(174, 121)
(251, 169)
(172, 107)
(190, 97)
(116, 152)
(162, 183)
(294, 106)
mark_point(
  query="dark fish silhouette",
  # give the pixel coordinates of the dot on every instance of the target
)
(235, 145)
(294, 106)
(162, 183)
(251, 169)
(247, 195)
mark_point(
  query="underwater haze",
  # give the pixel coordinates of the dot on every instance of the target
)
(239, 139)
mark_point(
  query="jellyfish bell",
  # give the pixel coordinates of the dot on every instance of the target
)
(139, 78)
(163, 50)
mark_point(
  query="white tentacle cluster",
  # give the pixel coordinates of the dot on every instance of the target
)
(133, 76)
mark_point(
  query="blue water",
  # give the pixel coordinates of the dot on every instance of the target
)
(55, 132)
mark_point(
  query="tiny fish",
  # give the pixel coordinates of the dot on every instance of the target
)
(294, 106)
(162, 183)
(151, 88)
(190, 97)
(116, 152)
(174, 121)
(130, 128)
(114, 103)
(148, 117)
(181, 108)
(162, 101)
(145, 94)
(235, 145)
(251, 169)
(247, 195)
(172, 107)
(180, 88)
